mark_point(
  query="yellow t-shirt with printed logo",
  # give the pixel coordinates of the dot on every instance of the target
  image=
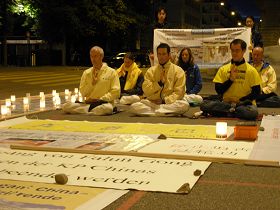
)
(246, 79)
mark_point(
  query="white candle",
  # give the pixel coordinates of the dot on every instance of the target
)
(221, 129)
(25, 101)
(73, 98)
(76, 90)
(13, 98)
(53, 92)
(4, 110)
(42, 104)
(26, 107)
(8, 102)
(66, 91)
(42, 95)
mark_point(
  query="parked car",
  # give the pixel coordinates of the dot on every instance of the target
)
(141, 59)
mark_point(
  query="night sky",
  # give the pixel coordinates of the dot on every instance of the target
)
(245, 7)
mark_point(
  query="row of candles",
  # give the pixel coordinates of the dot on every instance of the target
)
(10, 103)
(221, 127)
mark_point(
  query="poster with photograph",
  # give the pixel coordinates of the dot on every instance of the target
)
(210, 47)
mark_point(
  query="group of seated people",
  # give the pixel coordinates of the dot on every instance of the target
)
(170, 89)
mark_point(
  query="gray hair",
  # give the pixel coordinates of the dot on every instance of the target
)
(98, 49)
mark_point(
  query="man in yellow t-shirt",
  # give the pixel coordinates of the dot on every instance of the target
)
(238, 85)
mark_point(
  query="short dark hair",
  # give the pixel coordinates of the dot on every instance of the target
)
(130, 56)
(164, 45)
(251, 17)
(158, 11)
(239, 41)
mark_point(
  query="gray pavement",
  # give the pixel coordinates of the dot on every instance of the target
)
(223, 186)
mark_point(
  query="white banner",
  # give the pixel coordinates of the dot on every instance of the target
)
(210, 47)
(202, 148)
(108, 171)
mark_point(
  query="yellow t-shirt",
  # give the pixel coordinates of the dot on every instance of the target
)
(246, 79)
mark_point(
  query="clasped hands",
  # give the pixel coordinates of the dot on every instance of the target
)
(233, 73)
(162, 79)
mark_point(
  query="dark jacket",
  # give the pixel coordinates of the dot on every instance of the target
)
(193, 79)
(256, 38)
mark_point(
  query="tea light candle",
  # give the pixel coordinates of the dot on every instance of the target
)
(42, 95)
(73, 98)
(26, 107)
(221, 129)
(57, 102)
(25, 101)
(8, 102)
(4, 110)
(13, 98)
(42, 104)
(53, 92)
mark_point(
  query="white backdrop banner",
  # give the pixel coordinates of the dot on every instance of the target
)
(210, 47)
(107, 171)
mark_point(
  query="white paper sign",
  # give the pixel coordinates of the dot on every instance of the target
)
(197, 147)
(108, 171)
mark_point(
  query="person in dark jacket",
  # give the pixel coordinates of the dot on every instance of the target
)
(193, 77)
(256, 37)
(160, 23)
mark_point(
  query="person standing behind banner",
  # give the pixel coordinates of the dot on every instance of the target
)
(238, 84)
(256, 37)
(99, 85)
(131, 79)
(164, 88)
(193, 77)
(160, 23)
(268, 96)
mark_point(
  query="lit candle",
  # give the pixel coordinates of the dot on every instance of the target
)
(42, 104)
(53, 92)
(8, 102)
(13, 98)
(221, 129)
(25, 101)
(66, 91)
(57, 102)
(26, 107)
(4, 110)
(76, 90)
(73, 98)
(42, 95)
